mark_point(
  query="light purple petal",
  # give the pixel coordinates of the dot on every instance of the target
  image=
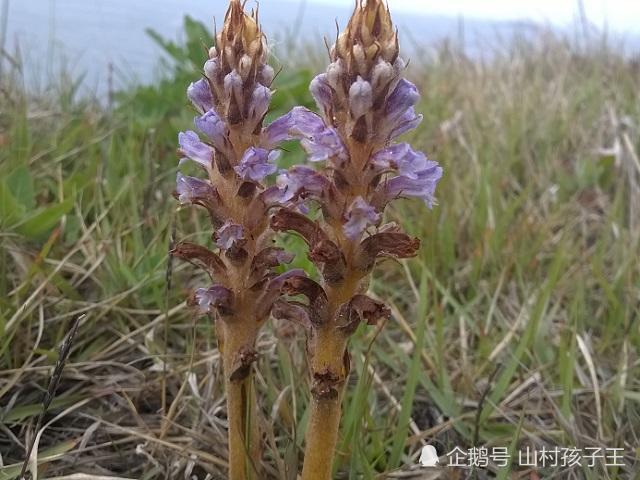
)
(402, 158)
(360, 97)
(273, 196)
(229, 234)
(301, 180)
(256, 164)
(324, 145)
(192, 148)
(200, 95)
(214, 128)
(405, 123)
(404, 96)
(260, 99)
(359, 217)
(306, 123)
(423, 186)
(233, 84)
(278, 131)
(212, 297)
(191, 189)
(322, 93)
(320, 142)
(298, 123)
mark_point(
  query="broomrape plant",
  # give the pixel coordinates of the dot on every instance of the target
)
(365, 105)
(236, 152)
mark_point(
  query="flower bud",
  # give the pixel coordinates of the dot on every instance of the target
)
(335, 71)
(381, 75)
(265, 75)
(244, 66)
(360, 98)
(211, 68)
(369, 35)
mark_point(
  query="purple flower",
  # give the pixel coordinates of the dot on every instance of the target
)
(301, 180)
(229, 234)
(322, 93)
(404, 96)
(318, 140)
(213, 127)
(233, 85)
(405, 123)
(257, 163)
(305, 123)
(278, 131)
(324, 146)
(359, 217)
(191, 189)
(273, 196)
(360, 97)
(260, 99)
(402, 158)
(194, 149)
(422, 186)
(200, 95)
(213, 297)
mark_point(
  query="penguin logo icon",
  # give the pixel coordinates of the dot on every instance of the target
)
(428, 456)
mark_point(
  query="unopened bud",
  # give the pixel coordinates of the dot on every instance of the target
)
(230, 56)
(265, 75)
(381, 75)
(360, 98)
(335, 71)
(211, 68)
(244, 66)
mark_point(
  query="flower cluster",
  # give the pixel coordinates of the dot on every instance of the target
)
(236, 153)
(365, 105)
(358, 168)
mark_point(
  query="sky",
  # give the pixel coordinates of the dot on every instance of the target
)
(617, 15)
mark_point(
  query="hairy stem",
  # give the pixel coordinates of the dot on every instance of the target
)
(243, 433)
(329, 366)
(322, 437)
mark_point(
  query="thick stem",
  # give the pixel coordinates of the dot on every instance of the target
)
(243, 434)
(322, 438)
(329, 366)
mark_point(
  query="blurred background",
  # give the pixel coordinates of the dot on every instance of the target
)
(516, 326)
(91, 37)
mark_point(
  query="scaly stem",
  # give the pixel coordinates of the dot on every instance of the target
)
(329, 368)
(243, 433)
(322, 438)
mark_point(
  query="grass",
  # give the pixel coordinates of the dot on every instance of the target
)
(516, 326)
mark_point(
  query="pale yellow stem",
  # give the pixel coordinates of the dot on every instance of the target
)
(243, 433)
(321, 438)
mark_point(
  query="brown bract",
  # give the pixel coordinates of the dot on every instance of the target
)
(240, 51)
(370, 35)
(240, 45)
